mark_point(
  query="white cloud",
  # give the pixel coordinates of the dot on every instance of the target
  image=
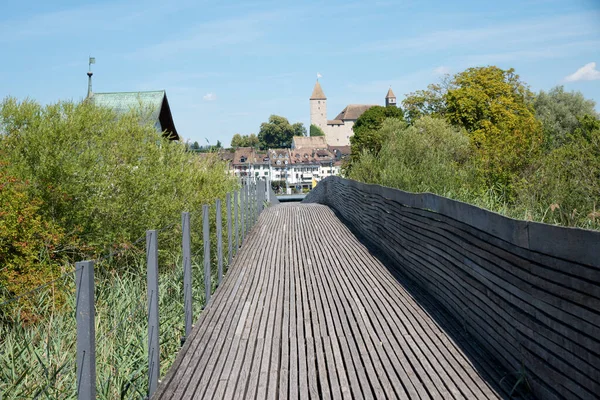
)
(210, 97)
(586, 73)
(441, 70)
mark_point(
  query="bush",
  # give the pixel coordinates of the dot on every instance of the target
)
(29, 244)
(103, 177)
(564, 186)
(429, 156)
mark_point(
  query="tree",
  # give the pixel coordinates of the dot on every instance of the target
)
(496, 108)
(427, 156)
(426, 102)
(237, 141)
(252, 141)
(564, 185)
(278, 133)
(244, 140)
(367, 130)
(560, 113)
(316, 131)
(299, 129)
(218, 145)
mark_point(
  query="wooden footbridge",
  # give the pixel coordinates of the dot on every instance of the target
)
(307, 310)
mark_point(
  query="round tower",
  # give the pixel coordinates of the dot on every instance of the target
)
(318, 107)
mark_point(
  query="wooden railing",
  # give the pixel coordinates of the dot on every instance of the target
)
(528, 293)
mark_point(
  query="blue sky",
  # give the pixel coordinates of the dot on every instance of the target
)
(228, 65)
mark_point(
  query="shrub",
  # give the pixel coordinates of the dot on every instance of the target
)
(428, 156)
(29, 244)
(102, 177)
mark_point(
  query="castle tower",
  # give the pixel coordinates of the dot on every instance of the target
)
(318, 107)
(390, 99)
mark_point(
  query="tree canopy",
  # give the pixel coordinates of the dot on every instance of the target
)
(560, 113)
(250, 140)
(278, 132)
(316, 131)
(483, 137)
(496, 108)
(426, 102)
(367, 130)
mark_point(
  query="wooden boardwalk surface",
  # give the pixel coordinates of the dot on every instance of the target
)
(306, 311)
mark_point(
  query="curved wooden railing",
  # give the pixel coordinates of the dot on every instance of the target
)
(529, 293)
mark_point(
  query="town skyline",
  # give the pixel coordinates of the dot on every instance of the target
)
(360, 50)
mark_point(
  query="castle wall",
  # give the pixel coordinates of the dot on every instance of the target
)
(339, 135)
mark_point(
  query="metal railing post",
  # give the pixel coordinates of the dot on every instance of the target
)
(86, 330)
(259, 196)
(187, 272)
(153, 327)
(267, 191)
(229, 244)
(237, 228)
(206, 240)
(243, 212)
(219, 243)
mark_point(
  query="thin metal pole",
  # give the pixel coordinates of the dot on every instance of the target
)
(187, 272)
(229, 244)
(267, 187)
(257, 201)
(207, 277)
(243, 212)
(153, 327)
(219, 243)
(86, 330)
(237, 211)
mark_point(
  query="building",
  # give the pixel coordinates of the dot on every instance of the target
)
(247, 162)
(339, 130)
(152, 105)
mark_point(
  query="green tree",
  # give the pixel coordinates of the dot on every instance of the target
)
(278, 132)
(218, 145)
(237, 141)
(496, 108)
(252, 141)
(316, 131)
(560, 113)
(428, 156)
(426, 102)
(299, 129)
(244, 140)
(367, 130)
(564, 185)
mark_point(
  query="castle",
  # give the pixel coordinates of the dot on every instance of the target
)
(338, 131)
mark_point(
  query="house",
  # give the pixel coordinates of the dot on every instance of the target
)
(153, 105)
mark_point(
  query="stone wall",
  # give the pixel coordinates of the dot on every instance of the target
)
(529, 293)
(339, 135)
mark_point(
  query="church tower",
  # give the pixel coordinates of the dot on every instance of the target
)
(390, 99)
(318, 107)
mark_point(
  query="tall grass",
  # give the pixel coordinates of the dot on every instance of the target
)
(37, 359)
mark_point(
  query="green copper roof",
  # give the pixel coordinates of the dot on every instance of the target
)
(155, 102)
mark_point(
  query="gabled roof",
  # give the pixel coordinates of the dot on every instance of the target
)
(353, 111)
(317, 93)
(390, 94)
(154, 102)
(244, 156)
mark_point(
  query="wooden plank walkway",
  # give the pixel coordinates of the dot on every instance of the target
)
(306, 311)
